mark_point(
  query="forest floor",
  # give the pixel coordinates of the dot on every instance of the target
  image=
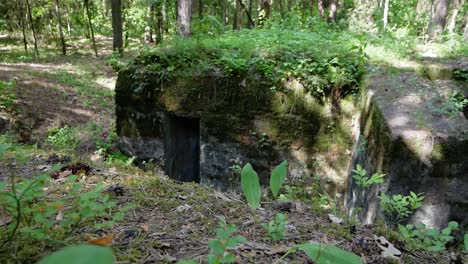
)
(63, 106)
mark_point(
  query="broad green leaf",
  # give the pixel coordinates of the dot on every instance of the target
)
(229, 258)
(216, 246)
(328, 254)
(277, 178)
(4, 147)
(250, 186)
(187, 261)
(465, 241)
(81, 254)
(233, 242)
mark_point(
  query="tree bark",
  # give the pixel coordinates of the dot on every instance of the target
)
(235, 16)
(321, 8)
(59, 19)
(184, 13)
(117, 44)
(333, 10)
(437, 25)
(385, 14)
(23, 26)
(91, 28)
(31, 22)
(465, 33)
(453, 18)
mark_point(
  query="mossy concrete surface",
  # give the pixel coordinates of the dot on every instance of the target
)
(411, 130)
(242, 119)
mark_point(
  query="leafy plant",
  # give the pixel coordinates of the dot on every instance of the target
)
(400, 207)
(80, 254)
(426, 239)
(251, 186)
(6, 94)
(327, 254)
(277, 178)
(364, 181)
(276, 228)
(224, 241)
(63, 137)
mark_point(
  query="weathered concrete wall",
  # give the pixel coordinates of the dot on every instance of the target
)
(241, 120)
(403, 133)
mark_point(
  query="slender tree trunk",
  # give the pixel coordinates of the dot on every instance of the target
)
(453, 18)
(385, 14)
(184, 13)
(59, 19)
(465, 32)
(333, 10)
(200, 9)
(249, 11)
(150, 19)
(235, 17)
(159, 22)
(86, 2)
(321, 8)
(437, 25)
(23, 26)
(164, 17)
(265, 12)
(31, 22)
(117, 44)
(250, 22)
(68, 20)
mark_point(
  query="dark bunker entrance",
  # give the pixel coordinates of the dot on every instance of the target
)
(182, 148)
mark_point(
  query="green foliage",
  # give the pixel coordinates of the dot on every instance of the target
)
(328, 254)
(277, 178)
(364, 181)
(251, 186)
(400, 207)
(322, 61)
(276, 228)
(465, 242)
(36, 215)
(81, 254)
(224, 241)
(426, 239)
(6, 94)
(63, 137)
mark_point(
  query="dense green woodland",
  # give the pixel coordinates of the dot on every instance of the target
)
(64, 181)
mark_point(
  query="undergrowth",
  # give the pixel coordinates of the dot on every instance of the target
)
(322, 61)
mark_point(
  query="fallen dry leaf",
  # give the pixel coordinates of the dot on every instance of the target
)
(103, 241)
(144, 227)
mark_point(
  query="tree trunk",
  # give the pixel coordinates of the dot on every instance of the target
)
(453, 18)
(117, 44)
(333, 10)
(23, 26)
(150, 19)
(159, 24)
(235, 16)
(321, 8)
(465, 33)
(164, 17)
(250, 23)
(31, 22)
(59, 19)
(200, 9)
(437, 25)
(385, 13)
(86, 3)
(184, 13)
(68, 20)
(265, 12)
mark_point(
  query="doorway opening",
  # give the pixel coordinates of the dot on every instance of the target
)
(182, 148)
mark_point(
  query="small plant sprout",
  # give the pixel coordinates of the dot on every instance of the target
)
(364, 181)
(224, 240)
(276, 228)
